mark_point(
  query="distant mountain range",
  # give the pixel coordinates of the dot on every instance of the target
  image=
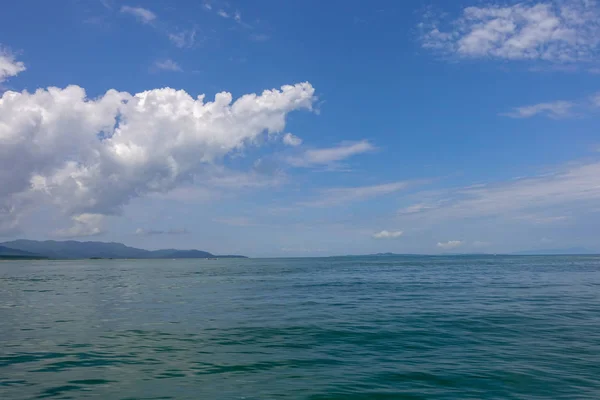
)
(7, 252)
(71, 249)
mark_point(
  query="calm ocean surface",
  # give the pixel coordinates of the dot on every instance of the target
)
(337, 328)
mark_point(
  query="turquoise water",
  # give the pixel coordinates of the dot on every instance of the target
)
(345, 328)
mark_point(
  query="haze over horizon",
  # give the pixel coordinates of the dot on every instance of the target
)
(302, 128)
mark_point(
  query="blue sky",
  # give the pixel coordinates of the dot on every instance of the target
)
(387, 126)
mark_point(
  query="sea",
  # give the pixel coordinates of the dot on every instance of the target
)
(407, 327)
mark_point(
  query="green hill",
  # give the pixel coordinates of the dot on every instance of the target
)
(71, 249)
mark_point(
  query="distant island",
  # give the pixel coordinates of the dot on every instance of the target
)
(51, 249)
(572, 251)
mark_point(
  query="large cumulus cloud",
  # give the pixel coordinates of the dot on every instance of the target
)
(89, 157)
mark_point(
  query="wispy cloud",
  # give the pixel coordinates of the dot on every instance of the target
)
(553, 31)
(559, 109)
(595, 99)
(259, 37)
(542, 199)
(387, 234)
(331, 155)
(155, 232)
(416, 208)
(223, 13)
(556, 110)
(449, 245)
(183, 39)
(167, 65)
(143, 15)
(541, 219)
(235, 221)
(337, 196)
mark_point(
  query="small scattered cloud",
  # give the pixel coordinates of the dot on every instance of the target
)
(387, 234)
(167, 65)
(556, 31)
(555, 110)
(449, 245)
(143, 15)
(291, 140)
(9, 66)
(331, 155)
(207, 6)
(223, 13)
(155, 232)
(237, 16)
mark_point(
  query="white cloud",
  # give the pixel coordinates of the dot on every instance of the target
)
(92, 156)
(330, 155)
(183, 39)
(291, 140)
(207, 6)
(554, 31)
(223, 13)
(9, 66)
(452, 244)
(83, 225)
(556, 110)
(143, 15)
(167, 65)
(237, 16)
(154, 232)
(387, 234)
(337, 196)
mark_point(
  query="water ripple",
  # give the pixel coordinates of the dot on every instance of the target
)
(338, 328)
